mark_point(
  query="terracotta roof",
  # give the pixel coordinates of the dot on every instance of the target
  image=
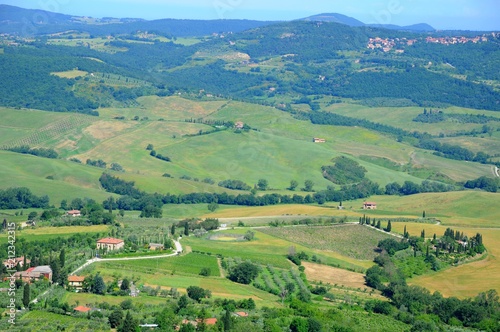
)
(209, 321)
(370, 203)
(76, 279)
(73, 212)
(242, 314)
(81, 308)
(110, 240)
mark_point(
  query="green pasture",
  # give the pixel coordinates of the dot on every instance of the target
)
(462, 208)
(191, 263)
(69, 180)
(402, 117)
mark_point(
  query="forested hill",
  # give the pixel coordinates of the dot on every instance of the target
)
(38, 22)
(278, 64)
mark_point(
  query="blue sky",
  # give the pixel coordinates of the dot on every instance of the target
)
(441, 14)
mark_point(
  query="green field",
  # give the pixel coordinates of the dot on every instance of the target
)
(191, 263)
(46, 233)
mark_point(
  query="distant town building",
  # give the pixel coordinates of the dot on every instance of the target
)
(319, 140)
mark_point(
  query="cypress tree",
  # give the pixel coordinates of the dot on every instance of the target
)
(226, 320)
(423, 214)
(26, 295)
(422, 234)
(389, 226)
(186, 229)
(378, 224)
(129, 324)
(62, 257)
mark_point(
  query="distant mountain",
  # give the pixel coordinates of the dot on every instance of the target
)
(336, 18)
(350, 21)
(37, 22)
(420, 27)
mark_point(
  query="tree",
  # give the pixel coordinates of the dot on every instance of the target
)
(98, 286)
(423, 214)
(293, 185)
(389, 226)
(115, 318)
(298, 324)
(226, 320)
(129, 324)
(262, 184)
(308, 185)
(62, 257)
(32, 215)
(125, 286)
(249, 235)
(172, 229)
(26, 295)
(197, 293)
(186, 229)
(244, 273)
(378, 224)
(213, 206)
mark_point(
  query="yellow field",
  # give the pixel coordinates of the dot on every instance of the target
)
(279, 211)
(333, 275)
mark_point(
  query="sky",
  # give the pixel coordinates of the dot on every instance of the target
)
(441, 14)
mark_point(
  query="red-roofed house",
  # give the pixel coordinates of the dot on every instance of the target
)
(369, 206)
(35, 273)
(110, 243)
(76, 282)
(74, 213)
(241, 314)
(82, 308)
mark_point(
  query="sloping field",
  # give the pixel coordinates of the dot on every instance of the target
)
(349, 240)
(466, 280)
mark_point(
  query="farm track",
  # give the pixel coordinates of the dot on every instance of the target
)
(178, 251)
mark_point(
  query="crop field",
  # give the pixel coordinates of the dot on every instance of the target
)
(45, 233)
(461, 208)
(191, 263)
(333, 275)
(353, 241)
(268, 250)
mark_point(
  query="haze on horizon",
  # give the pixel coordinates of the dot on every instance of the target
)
(441, 14)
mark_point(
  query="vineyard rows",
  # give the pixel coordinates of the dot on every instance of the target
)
(51, 131)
